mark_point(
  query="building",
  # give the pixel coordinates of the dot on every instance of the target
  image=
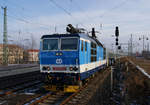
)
(15, 54)
(33, 55)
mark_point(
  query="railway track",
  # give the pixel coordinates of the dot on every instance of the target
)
(61, 98)
(50, 99)
(17, 83)
(22, 94)
(18, 88)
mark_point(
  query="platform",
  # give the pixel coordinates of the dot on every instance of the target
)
(18, 69)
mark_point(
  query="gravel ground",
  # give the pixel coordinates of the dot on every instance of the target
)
(143, 63)
(130, 87)
(137, 87)
(90, 95)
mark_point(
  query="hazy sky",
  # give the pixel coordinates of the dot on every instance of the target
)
(38, 17)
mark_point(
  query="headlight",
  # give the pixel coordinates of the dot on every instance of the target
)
(70, 68)
(60, 54)
(75, 68)
(57, 54)
(48, 68)
(44, 68)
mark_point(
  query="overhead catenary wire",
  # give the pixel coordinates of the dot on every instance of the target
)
(66, 11)
(24, 19)
(114, 7)
(60, 7)
(21, 8)
(103, 14)
(27, 22)
(81, 9)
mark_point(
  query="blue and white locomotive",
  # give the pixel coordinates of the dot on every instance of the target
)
(66, 60)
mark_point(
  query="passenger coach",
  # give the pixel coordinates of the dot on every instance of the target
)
(66, 60)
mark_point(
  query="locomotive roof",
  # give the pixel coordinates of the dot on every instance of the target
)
(59, 35)
(74, 35)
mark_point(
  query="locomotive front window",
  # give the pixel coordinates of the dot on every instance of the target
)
(69, 44)
(50, 44)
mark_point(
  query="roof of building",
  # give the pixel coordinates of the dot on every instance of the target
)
(11, 46)
(33, 50)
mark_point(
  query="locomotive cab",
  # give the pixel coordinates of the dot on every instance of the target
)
(59, 54)
(59, 59)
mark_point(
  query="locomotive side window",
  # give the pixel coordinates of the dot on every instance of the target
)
(85, 46)
(82, 45)
(50, 44)
(104, 53)
(69, 44)
(93, 52)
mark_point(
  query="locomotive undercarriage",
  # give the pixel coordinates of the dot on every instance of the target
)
(62, 82)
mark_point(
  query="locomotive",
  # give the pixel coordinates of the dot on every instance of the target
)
(68, 60)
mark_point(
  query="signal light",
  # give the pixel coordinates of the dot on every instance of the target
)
(116, 43)
(117, 32)
(71, 68)
(48, 68)
(75, 68)
(116, 39)
(119, 47)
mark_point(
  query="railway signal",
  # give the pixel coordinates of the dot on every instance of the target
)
(117, 31)
(117, 35)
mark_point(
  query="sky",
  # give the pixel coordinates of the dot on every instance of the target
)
(28, 19)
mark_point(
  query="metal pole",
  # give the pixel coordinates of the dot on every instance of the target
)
(128, 48)
(111, 78)
(131, 45)
(5, 55)
(143, 43)
(148, 47)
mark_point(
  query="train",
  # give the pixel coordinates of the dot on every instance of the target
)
(68, 60)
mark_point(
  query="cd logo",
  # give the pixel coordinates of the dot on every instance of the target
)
(59, 61)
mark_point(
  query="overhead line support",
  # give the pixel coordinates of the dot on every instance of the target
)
(5, 40)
